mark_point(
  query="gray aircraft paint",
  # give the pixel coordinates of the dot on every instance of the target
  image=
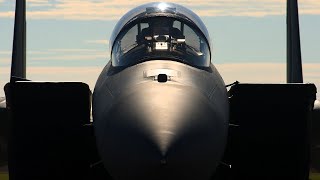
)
(152, 130)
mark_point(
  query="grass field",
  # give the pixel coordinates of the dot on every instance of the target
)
(4, 176)
(313, 176)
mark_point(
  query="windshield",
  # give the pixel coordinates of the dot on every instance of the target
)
(160, 38)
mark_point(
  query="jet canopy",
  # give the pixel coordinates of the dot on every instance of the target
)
(160, 31)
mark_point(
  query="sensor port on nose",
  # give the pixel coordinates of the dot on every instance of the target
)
(162, 78)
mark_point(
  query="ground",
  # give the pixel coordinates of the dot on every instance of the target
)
(313, 176)
(4, 176)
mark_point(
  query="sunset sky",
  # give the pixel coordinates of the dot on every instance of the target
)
(67, 40)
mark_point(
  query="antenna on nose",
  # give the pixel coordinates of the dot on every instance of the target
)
(294, 63)
(18, 65)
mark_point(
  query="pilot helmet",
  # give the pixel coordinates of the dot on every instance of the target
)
(160, 31)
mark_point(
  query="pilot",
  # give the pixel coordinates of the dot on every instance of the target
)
(161, 35)
(161, 26)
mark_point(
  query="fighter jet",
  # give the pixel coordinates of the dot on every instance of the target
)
(172, 102)
(161, 110)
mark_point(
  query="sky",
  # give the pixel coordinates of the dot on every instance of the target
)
(68, 40)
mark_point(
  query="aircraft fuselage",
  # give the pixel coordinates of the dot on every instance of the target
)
(160, 119)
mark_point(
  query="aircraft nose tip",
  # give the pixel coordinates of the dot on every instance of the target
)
(151, 132)
(164, 139)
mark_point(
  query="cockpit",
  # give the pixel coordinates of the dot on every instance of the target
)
(161, 34)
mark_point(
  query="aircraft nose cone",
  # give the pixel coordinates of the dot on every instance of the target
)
(162, 132)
